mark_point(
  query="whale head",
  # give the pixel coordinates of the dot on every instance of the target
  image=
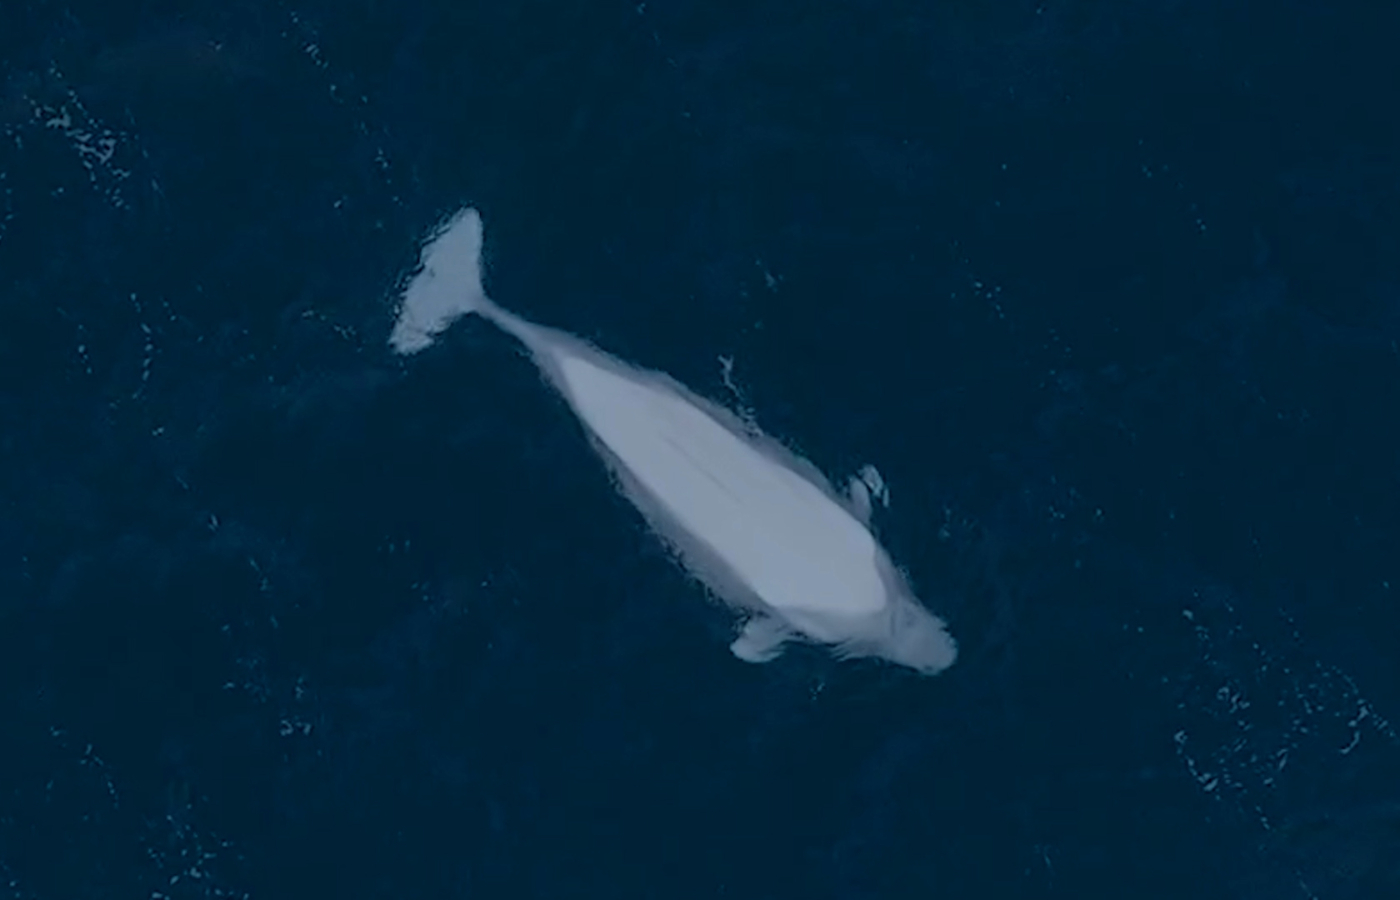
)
(918, 639)
(903, 632)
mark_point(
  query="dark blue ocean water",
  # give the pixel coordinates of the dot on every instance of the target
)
(1110, 294)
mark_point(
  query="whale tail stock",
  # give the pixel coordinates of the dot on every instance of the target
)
(446, 286)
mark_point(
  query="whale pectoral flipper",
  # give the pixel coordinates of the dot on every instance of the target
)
(864, 489)
(761, 640)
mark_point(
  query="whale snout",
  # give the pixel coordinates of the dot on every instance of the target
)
(919, 640)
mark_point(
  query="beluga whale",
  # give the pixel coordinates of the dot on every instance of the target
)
(756, 524)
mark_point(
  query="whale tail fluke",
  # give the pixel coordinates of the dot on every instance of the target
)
(446, 286)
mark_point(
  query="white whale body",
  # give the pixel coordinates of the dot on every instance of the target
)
(759, 526)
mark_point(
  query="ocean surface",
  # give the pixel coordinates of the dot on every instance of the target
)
(1109, 293)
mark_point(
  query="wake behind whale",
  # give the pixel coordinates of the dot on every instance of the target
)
(758, 525)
